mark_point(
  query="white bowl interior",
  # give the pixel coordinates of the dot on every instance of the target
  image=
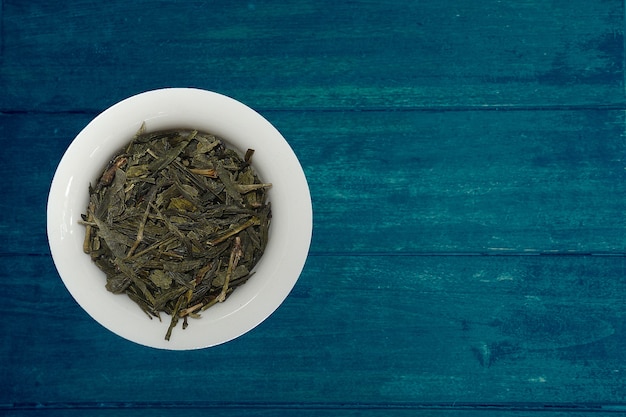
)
(242, 128)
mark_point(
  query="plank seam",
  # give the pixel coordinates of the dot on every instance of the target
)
(472, 254)
(414, 254)
(425, 109)
(545, 407)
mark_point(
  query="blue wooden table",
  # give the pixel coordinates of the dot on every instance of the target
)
(467, 166)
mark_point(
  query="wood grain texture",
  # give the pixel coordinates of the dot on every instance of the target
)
(126, 410)
(77, 55)
(467, 329)
(471, 181)
(467, 168)
(288, 410)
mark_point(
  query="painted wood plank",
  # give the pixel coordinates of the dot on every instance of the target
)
(356, 329)
(31, 150)
(395, 312)
(465, 181)
(400, 182)
(79, 55)
(285, 411)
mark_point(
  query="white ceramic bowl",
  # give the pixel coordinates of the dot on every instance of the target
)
(242, 128)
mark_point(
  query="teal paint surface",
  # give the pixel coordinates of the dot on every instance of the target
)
(467, 165)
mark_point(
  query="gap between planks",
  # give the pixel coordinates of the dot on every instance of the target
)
(413, 254)
(485, 253)
(444, 406)
(425, 109)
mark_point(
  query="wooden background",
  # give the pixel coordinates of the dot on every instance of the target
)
(467, 165)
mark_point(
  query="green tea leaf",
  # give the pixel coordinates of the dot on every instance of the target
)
(177, 222)
(161, 279)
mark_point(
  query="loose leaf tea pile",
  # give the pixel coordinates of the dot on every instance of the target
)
(177, 221)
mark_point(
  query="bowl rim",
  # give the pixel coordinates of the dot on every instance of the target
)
(241, 127)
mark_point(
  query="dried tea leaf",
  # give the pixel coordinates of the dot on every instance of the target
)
(182, 204)
(160, 279)
(138, 170)
(177, 222)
